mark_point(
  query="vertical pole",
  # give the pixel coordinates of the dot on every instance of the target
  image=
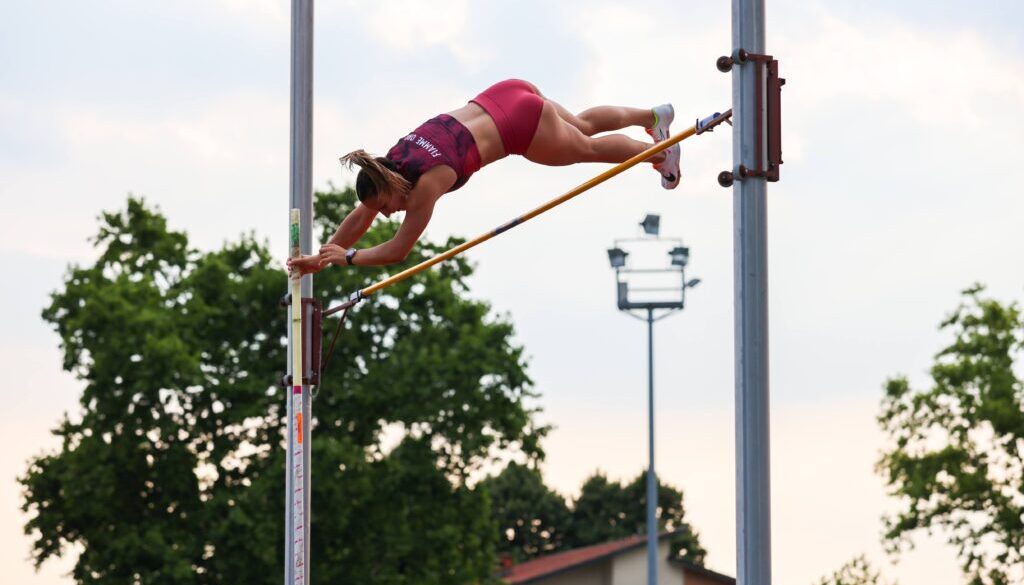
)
(652, 481)
(298, 479)
(753, 518)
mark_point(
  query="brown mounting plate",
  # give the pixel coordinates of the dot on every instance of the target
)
(769, 118)
(312, 316)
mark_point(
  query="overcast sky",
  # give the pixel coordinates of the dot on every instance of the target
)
(902, 141)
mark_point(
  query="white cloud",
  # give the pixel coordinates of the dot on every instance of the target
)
(633, 56)
(220, 156)
(268, 16)
(949, 80)
(276, 9)
(410, 26)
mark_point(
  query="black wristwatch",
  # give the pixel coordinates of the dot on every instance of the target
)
(350, 256)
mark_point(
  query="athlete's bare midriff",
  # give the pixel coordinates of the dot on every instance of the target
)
(484, 131)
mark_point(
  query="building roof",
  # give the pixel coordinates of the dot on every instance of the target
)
(548, 565)
(699, 570)
(556, 563)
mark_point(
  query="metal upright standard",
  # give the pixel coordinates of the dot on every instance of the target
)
(756, 160)
(297, 483)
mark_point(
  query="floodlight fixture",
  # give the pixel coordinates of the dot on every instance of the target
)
(651, 224)
(680, 256)
(617, 257)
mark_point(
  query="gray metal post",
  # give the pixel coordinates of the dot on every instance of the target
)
(301, 196)
(753, 498)
(652, 482)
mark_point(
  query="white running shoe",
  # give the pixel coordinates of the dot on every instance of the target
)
(669, 168)
(663, 116)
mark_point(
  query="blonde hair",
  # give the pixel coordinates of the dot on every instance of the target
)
(377, 176)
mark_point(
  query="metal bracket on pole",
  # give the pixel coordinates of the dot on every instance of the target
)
(708, 124)
(312, 318)
(352, 301)
(768, 122)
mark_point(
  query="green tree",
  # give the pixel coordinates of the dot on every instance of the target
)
(954, 452)
(601, 513)
(856, 572)
(172, 471)
(532, 519)
(606, 511)
(685, 543)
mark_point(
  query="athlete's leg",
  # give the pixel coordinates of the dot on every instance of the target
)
(605, 118)
(558, 142)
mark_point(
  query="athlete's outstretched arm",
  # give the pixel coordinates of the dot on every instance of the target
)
(348, 233)
(421, 201)
(355, 224)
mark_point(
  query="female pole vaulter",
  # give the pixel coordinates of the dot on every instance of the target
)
(510, 117)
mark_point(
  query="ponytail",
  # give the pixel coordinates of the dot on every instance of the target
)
(377, 175)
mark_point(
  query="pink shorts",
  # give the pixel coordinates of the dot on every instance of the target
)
(515, 106)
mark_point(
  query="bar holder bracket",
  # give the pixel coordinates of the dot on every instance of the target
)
(312, 335)
(768, 117)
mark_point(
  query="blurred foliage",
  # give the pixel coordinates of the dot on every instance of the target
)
(534, 520)
(856, 572)
(608, 510)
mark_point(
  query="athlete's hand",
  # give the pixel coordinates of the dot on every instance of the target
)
(332, 254)
(304, 265)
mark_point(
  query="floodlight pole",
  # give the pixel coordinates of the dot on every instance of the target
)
(753, 498)
(652, 480)
(297, 472)
(617, 258)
